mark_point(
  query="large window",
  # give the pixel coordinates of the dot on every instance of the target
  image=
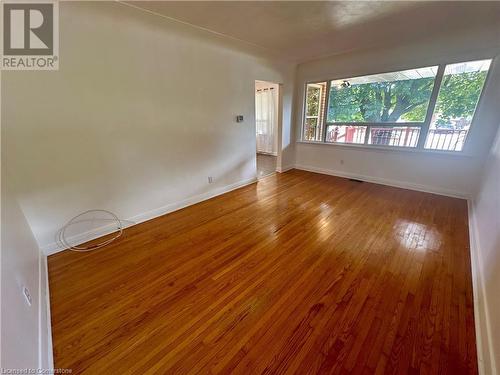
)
(456, 102)
(430, 107)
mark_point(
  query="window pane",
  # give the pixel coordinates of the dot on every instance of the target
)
(457, 100)
(314, 111)
(345, 134)
(311, 129)
(389, 97)
(313, 100)
(402, 136)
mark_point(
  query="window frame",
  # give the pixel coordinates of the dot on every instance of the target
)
(424, 126)
(321, 125)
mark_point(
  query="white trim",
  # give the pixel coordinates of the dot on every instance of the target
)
(385, 181)
(45, 352)
(484, 341)
(284, 169)
(56, 247)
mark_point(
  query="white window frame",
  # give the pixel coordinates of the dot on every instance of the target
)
(424, 126)
(320, 125)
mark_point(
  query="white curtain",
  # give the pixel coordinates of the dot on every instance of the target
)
(265, 119)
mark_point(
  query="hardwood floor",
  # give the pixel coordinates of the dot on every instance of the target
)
(299, 273)
(266, 165)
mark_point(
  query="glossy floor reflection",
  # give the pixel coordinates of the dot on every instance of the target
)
(266, 165)
(299, 273)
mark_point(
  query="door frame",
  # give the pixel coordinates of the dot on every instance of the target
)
(279, 124)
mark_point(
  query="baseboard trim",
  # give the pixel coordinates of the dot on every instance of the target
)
(384, 181)
(484, 343)
(284, 169)
(56, 247)
(45, 352)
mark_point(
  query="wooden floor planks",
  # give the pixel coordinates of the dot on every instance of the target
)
(299, 273)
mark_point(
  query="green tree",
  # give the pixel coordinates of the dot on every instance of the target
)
(406, 99)
(459, 95)
(313, 99)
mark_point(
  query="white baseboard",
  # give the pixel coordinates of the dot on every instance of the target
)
(56, 247)
(284, 169)
(384, 181)
(45, 353)
(484, 341)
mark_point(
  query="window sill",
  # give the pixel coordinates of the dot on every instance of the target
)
(453, 154)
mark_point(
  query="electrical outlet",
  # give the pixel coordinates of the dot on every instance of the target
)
(27, 296)
(341, 162)
(210, 179)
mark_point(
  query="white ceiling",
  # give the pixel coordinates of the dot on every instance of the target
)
(305, 30)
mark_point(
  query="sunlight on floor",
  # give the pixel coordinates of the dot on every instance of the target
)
(417, 236)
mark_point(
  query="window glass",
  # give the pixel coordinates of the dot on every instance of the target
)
(314, 111)
(345, 134)
(456, 103)
(395, 109)
(311, 129)
(401, 136)
(401, 96)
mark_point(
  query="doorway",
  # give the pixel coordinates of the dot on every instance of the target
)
(266, 126)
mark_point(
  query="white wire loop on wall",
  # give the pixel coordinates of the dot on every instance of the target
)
(62, 232)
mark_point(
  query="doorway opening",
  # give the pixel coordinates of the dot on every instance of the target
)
(267, 117)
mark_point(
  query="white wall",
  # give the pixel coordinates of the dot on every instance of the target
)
(486, 229)
(453, 175)
(24, 333)
(140, 113)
